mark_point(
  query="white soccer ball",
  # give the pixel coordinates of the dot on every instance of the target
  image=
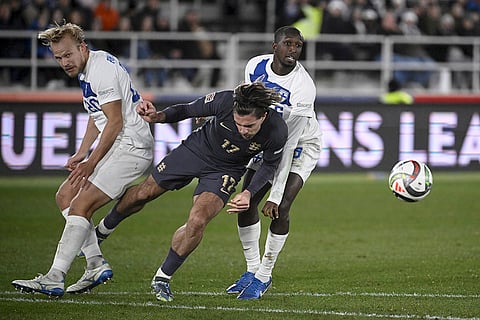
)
(410, 180)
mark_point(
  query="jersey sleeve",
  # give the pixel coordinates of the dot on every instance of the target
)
(106, 82)
(271, 157)
(303, 100)
(296, 125)
(212, 104)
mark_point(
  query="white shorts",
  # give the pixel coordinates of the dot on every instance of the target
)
(121, 166)
(304, 160)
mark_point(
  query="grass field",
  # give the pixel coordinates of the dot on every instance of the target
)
(354, 252)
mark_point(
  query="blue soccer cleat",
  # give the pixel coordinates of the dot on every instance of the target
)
(241, 283)
(255, 289)
(161, 288)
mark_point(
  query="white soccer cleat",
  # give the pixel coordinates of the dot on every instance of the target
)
(41, 284)
(92, 278)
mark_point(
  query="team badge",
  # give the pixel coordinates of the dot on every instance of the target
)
(254, 147)
(209, 97)
(161, 167)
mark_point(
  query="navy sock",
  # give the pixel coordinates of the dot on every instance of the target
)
(113, 218)
(172, 262)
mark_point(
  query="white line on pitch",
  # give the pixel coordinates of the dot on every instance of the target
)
(306, 294)
(218, 308)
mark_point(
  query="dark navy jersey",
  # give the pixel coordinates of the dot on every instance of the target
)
(218, 141)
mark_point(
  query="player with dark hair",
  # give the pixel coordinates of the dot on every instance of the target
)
(241, 124)
(123, 153)
(282, 72)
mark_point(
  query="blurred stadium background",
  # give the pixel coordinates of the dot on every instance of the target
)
(178, 50)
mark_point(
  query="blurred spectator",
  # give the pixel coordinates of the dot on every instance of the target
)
(366, 23)
(200, 48)
(430, 21)
(11, 18)
(337, 21)
(395, 94)
(62, 10)
(306, 16)
(33, 9)
(150, 9)
(411, 53)
(153, 76)
(121, 48)
(107, 14)
(389, 25)
(458, 12)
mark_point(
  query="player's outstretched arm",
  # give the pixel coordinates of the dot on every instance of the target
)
(149, 113)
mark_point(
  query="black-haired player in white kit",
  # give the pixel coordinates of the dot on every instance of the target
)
(241, 125)
(282, 72)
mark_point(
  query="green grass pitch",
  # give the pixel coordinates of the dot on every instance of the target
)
(354, 252)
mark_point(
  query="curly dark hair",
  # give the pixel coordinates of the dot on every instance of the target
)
(254, 98)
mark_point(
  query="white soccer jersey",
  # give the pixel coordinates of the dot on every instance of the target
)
(105, 80)
(297, 108)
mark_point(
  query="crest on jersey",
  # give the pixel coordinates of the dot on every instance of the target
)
(209, 97)
(161, 167)
(254, 147)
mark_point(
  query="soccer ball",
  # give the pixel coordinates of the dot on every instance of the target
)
(410, 180)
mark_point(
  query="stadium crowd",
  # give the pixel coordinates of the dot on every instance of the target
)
(313, 17)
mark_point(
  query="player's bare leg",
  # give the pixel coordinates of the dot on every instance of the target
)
(184, 241)
(276, 238)
(76, 231)
(131, 202)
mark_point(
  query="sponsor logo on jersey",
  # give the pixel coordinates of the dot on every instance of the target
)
(106, 91)
(224, 126)
(304, 105)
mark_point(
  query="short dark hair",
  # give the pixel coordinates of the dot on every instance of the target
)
(254, 98)
(286, 31)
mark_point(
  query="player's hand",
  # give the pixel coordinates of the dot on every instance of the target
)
(270, 209)
(147, 111)
(240, 202)
(79, 176)
(73, 161)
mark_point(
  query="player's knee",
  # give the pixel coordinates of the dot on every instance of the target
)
(62, 199)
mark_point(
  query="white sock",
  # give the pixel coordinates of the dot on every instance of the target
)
(249, 237)
(91, 249)
(161, 274)
(65, 212)
(273, 246)
(74, 235)
(104, 230)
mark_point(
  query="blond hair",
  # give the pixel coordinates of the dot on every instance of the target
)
(58, 32)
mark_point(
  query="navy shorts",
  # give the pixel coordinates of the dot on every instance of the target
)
(181, 166)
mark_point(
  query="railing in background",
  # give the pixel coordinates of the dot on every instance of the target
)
(352, 77)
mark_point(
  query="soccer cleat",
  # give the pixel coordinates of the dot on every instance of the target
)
(255, 289)
(40, 284)
(161, 288)
(92, 278)
(100, 238)
(241, 283)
